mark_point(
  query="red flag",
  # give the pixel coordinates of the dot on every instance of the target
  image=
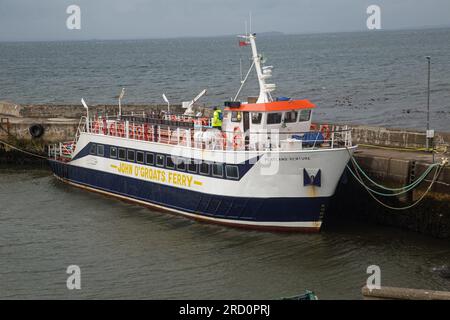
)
(243, 43)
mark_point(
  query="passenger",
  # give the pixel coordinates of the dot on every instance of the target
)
(216, 121)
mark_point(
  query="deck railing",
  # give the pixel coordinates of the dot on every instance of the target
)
(196, 133)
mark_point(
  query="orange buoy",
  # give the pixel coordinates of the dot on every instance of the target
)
(326, 131)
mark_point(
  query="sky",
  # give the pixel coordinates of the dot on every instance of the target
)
(41, 20)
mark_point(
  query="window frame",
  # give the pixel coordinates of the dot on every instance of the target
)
(111, 152)
(260, 117)
(192, 162)
(231, 177)
(128, 155)
(271, 114)
(124, 154)
(217, 165)
(93, 149)
(100, 147)
(179, 162)
(171, 161)
(234, 119)
(160, 156)
(143, 156)
(200, 169)
(294, 120)
(146, 158)
(300, 115)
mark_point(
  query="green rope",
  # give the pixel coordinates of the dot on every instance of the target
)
(439, 167)
(405, 190)
(413, 184)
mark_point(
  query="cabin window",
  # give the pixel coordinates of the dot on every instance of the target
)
(181, 164)
(217, 170)
(192, 167)
(204, 168)
(160, 160)
(305, 115)
(290, 116)
(93, 149)
(274, 118)
(122, 154)
(232, 172)
(149, 158)
(169, 162)
(140, 157)
(256, 117)
(113, 152)
(100, 150)
(236, 116)
(130, 155)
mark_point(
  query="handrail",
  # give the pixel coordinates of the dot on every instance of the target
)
(139, 119)
(199, 138)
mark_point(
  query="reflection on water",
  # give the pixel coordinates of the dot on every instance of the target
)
(128, 251)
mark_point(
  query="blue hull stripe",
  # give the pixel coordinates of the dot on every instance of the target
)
(217, 206)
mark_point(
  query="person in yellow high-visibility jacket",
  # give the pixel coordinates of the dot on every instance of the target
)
(216, 121)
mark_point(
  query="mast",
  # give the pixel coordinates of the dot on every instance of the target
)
(262, 72)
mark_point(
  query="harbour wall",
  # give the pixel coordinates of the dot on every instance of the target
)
(381, 154)
(60, 122)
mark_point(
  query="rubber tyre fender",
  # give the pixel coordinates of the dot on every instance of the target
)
(36, 130)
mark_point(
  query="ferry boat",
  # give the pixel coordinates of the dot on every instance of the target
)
(268, 167)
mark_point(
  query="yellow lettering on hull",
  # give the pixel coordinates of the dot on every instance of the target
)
(158, 175)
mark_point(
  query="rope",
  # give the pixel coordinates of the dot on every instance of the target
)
(371, 192)
(405, 190)
(23, 151)
(437, 149)
(417, 181)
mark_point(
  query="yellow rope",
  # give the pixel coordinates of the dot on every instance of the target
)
(440, 149)
(23, 151)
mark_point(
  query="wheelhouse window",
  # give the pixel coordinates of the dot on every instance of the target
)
(290, 116)
(130, 155)
(236, 116)
(100, 150)
(113, 152)
(140, 157)
(232, 172)
(217, 170)
(122, 154)
(149, 158)
(305, 115)
(204, 168)
(256, 117)
(160, 160)
(93, 149)
(274, 118)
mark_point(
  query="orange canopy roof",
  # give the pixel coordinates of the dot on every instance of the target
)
(274, 106)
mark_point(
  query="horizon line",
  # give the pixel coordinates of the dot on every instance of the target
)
(279, 33)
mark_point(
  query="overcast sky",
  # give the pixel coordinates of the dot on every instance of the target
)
(127, 19)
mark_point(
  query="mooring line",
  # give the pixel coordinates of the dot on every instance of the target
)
(402, 189)
(438, 166)
(22, 150)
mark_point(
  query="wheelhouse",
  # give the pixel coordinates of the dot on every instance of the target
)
(288, 117)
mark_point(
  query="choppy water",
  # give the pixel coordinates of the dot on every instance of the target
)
(127, 251)
(365, 77)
